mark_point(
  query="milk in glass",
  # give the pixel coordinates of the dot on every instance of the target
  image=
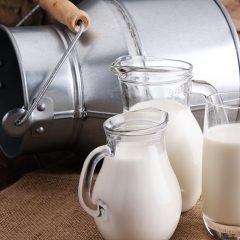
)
(221, 174)
(184, 141)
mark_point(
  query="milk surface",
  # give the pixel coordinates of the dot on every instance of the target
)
(221, 174)
(141, 193)
(184, 141)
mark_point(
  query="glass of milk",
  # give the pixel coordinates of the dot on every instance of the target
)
(221, 165)
(166, 84)
(136, 194)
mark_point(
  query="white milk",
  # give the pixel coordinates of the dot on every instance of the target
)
(141, 193)
(184, 141)
(221, 174)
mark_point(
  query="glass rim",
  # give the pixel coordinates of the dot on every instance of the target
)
(184, 71)
(223, 105)
(141, 131)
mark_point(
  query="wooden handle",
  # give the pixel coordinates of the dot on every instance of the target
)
(66, 13)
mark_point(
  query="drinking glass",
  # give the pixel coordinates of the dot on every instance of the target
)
(221, 165)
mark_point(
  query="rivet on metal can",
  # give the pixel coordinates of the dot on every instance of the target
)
(41, 107)
(40, 130)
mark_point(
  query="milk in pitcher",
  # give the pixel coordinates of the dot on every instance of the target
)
(184, 141)
(142, 191)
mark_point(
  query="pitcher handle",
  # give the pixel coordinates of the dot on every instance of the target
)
(202, 87)
(206, 89)
(85, 183)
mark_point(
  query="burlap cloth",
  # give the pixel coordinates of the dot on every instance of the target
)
(45, 206)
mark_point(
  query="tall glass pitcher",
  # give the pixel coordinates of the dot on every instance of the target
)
(136, 194)
(166, 84)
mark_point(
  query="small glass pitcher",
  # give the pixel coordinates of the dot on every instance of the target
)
(136, 194)
(166, 84)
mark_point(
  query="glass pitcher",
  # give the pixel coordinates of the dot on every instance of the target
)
(166, 84)
(136, 194)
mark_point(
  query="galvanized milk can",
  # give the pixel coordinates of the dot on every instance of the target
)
(84, 92)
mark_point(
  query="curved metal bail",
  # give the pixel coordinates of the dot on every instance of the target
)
(44, 86)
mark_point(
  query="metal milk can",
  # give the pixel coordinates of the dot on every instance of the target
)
(84, 92)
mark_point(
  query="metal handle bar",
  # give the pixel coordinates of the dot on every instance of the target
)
(24, 19)
(44, 86)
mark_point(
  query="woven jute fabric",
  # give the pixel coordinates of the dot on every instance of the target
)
(46, 206)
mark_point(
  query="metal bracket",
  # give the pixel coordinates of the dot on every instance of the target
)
(43, 112)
